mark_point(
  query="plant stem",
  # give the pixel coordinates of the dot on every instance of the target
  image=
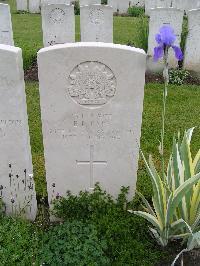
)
(166, 80)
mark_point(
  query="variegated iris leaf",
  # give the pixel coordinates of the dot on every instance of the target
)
(175, 209)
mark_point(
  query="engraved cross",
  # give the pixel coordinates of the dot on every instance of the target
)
(91, 163)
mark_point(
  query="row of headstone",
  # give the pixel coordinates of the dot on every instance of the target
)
(58, 24)
(33, 6)
(82, 92)
(184, 5)
(6, 32)
(121, 6)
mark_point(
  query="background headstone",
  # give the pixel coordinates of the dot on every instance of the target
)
(163, 3)
(119, 5)
(58, 24)
(6, 33)
(16, 181)
(22, 5)
(91, 103)
(113, 4)
(122, 6)
(89, 2)
(34, 6)
(180, 4)
(96, 23)
(192, 51)
(139, 3)
(148, 5)
(49, 2)
(158, 18)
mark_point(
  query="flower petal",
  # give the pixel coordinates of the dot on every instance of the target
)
(158, 53)
(158, 38)
(178, 52)
(167, 35)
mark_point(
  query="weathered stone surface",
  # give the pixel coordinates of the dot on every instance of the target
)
(22, 5)
(179, 4)
(6, 33)
(137, 3)
(16, 182)
(91, 104)
(89, 2)
(149, 4)
(163, 3)
(55, 2)
(34, 6)
(119, 6)
(192, 51)
(96, 23)
(158, 18)
(58, 24)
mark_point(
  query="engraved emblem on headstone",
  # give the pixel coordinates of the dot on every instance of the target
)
(92, 84)
(57, 15)
(96, 16)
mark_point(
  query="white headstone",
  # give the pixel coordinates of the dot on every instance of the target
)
(120, 6)
(91, 103)
(158, 18)
(188, 5)
(195, 4)
(113, 4)
(192, 51)
(96, 23)
(179, 4)
(163, 3)
(50, 2)
(34, 6)
(17, 189)
(139, 3)
(6, 33)
(192, 4)
(58, 24)
(149, 4)
(22, 5)
(89, 2)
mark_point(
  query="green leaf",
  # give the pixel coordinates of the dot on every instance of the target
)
(194, 241)
(156, 192)
(159, 239)
(177, 226)
(196, 163)
(179, 193)
(149, 218)
(148, 206)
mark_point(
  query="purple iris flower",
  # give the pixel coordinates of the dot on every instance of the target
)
(165, 39)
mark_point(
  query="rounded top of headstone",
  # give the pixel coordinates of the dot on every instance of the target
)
(194, 11)
(9, 48)
(165, 9)
(92, 45)
(97, 6)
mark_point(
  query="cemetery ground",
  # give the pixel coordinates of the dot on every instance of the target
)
(96, 230)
